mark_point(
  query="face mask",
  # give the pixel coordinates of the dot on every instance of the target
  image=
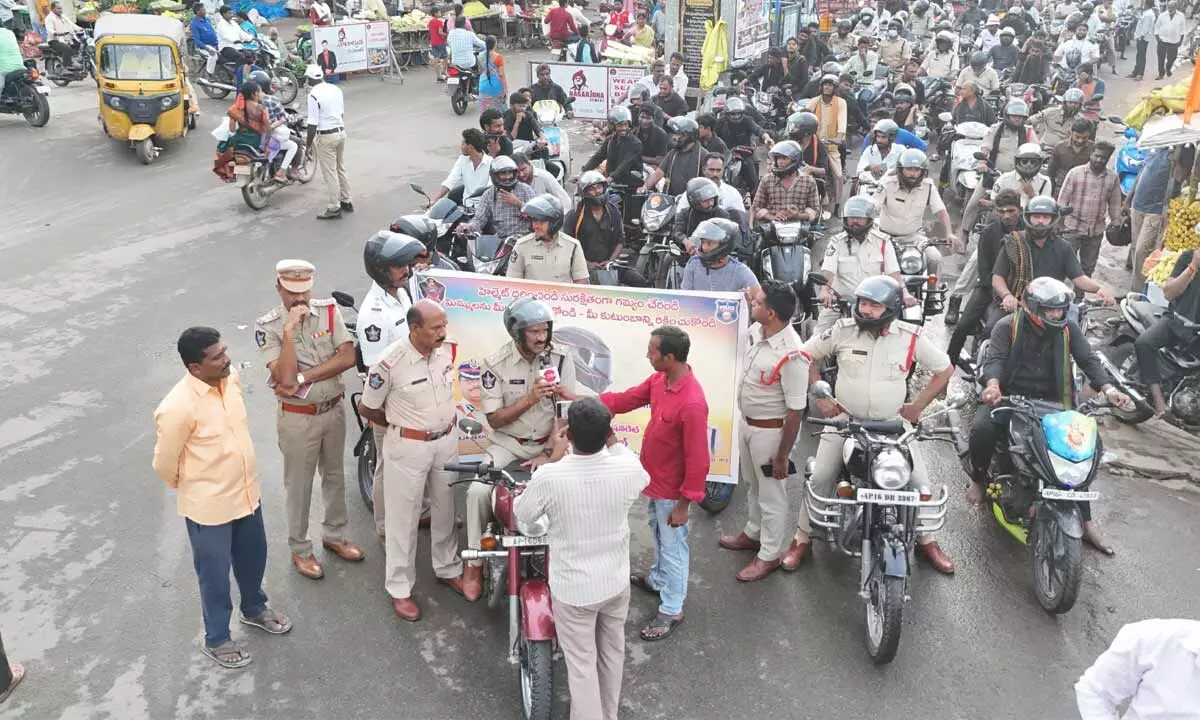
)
(893, 33)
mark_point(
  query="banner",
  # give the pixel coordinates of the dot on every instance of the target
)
(752, 30)
(595, 88)
(607, 330)
(353, 46)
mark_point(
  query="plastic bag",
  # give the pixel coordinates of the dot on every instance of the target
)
(1120, 234)
(221, 132)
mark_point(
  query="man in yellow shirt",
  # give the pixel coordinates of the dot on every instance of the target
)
(203, 452)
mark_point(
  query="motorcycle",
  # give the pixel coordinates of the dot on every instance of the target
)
(965, 141)
(1179, 365)
(364, 449)
(783, 252)
(660, 258)
(223, 79)
(772, 104)
(25, 94)
(1126, 24)
(517, 563)
(449, 250)
(558, 143)
(875, 513)
(258, 170)
(738, 156)
(463, 83)
(62, 74)
(920, 280)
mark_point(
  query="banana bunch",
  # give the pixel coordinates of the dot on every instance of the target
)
(1161, 271)
(1182, 216)
(413, 20)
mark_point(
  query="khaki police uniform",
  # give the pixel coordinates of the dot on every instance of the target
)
(312, 429)
(558, 261)
(507, 376)
(850, 262)
(902, 214)
(416, 394)
(775, 381)
(872, 384)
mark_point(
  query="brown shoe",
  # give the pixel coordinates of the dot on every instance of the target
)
(791, 558)
(308, 566)
(406, 608)
(741, 541)
(757, 570)
(455, 584)
(937, 557)
(344, 549)
(472, 582)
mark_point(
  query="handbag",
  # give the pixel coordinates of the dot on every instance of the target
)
(221, 132)
(1120, 234)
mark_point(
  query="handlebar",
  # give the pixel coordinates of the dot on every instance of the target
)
(881, 427)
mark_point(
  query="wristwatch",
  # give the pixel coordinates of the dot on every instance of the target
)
(299, 378)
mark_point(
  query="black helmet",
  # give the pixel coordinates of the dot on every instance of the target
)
(263, 80)
(593, 357)
(789, 149)
(588, 180)
(979, 60)
(419, 226)
(700, 189)
(619, 114)
(387, 250)
(544, 207)
(1028, 160)
(504, 165)
(858, 206)
(911, 158)
(845, 24)
(524, 312)
(684, 131)
(725, 232)
(802, 123)
(1047, 293)
(920, 6)
(1040, 205)
(886, 291)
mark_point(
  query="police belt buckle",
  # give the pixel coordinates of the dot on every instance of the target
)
(533, 441)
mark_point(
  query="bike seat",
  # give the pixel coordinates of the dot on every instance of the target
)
(1145, 312)
(253, 153)
(13, 75)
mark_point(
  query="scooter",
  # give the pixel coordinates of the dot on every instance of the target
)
(451, 210)
(1130, 159)
(783, 252)
(966, 140)
(558, 142)
(25, 94)
(1178, 365)
(258, 170)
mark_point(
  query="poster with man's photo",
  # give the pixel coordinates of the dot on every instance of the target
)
(355, 46)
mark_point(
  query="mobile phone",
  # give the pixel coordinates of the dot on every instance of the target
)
(550, 375)
(561, 407)
(791, 468)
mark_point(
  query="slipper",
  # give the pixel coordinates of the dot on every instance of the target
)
(666, 623)
(228, 655)
(269, 621)
(18, 674)
(642, 582)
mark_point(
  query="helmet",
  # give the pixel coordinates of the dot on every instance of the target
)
(831, 68)
(593, 357)
(904, 92)
(1040, 205)
(544, 207)
(911, 158)
(1028, 160)
(829, 78)
(844, 24)
(858, 206)
(684, 130)
(1086, 7)
(263, 80)
(944, 36)
(1073, 20)
(589, 179)
(421, 227)
(866, 16)
(1007, 31)
(638, 91)
(992, 20)
(700, 189)
(886, 291)
(1016, 106)
(979, 60)
(887, 127)
(524, 312)
(387, 250)
(618, 115)
(735, 105)
(1073, 95)
(920, 6)
(802, 122)
(719, 230)
(1047, 293)
(503, 165)
(789, 149)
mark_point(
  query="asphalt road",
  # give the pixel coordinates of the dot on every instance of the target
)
(105, 261)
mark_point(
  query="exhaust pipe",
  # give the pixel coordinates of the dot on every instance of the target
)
(204, 82)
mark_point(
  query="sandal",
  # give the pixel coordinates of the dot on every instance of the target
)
(660, 627)
(270, 621)
(642, 582)
(228, 655)
(18, 673)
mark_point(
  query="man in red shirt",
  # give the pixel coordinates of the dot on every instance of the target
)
(437, 42)
(675, 454)
(562, 25)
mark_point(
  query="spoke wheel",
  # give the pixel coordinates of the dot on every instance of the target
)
(537, 679)
(884, 614)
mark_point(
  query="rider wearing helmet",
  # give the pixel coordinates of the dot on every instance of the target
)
(497, 206)
(713, 268)
(875, 352)
(703, 203)
(802, 127)
(279, 129)
(903, 201)
(547, 254)
(863, 62)
(942, 61)
(921, 20)
(857, 252)
(843, 41)
(882, 154)
(519, 401)
(984, 77)
(894, 49)
(1005, 55)
(737, 129)
(621, 151)
(1053, 125)
(1000, 144)
(596, 223)
(866, 23)
(1015, 20)
(1031, 353)
(833, 111)
(904, 102)
(786, 194)
(683, 161)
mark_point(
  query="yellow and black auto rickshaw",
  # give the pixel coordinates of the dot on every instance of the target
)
(145, 97)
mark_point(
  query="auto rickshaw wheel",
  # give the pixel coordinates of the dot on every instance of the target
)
(145, 151)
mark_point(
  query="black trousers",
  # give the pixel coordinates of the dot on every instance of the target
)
(64, 50)
(233, 55)
(1147, 345)
(970, 320)
(1139, 62)
(6, 677)
(1167, 52)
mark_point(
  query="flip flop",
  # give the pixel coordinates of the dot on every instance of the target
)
(18, 674)
(640, 581)
(223, 653)
(269, 621)
(661, 622)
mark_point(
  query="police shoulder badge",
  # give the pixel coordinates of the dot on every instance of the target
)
(489, 379)
(375, 380)
(727, 311)
(260, 338)
(373, 333)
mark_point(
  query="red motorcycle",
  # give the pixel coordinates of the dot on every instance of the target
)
(517, 565)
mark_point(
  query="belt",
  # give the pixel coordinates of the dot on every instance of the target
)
(532, 441)
(771, 423)
(314, 409)
(330, 132)
(424, 435)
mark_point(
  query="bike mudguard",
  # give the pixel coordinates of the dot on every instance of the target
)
(537, 616)
(1019, 533)
(137, 133)
(1066, 514)
(895, 558)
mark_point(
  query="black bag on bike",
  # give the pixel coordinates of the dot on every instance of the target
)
(1120, 234)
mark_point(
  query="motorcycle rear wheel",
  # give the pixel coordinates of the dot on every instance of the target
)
(884, 616)
(214, 92)
(716, 496)
(366, 468)
(253, 195)
(55, 70)
(1055, 580)
(537, 678)
(458, 101)
(41, 114)
(287, 86)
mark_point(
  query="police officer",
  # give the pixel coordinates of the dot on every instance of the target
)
(771, 398)
(388, 259)
(875, 352)
(410, 391)
(306, 346)
(853, 255)
(904, 199)
(547, 254)
(521, 382)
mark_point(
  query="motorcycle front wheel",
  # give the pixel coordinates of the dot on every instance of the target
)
(1057, 564)
(366, 468)
(716, 496)
(537, 678)
(253, 191)
(884, 613)
(308, 169)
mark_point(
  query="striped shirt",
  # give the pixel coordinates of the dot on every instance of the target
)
(586, 499)
(1092, 197)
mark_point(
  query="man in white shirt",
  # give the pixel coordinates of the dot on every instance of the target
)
(882, 154)
(60, 32)
(586, 497)
(990, 37)
(540, 180)
(1169, 30)
(1152, 664)
(1089, 52)
(471, 171)
(1142, 35)
(577, 14)
(728, 196)
(327, 140)
(679, 79)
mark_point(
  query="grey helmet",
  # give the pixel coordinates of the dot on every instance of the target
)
(1028, 160)
(911, 158)
(525, 312)
(1008, 32)
(829, 78)
(1016, 106)
(979, 60)
(944, 36)
(263, 80)
(618, 115)
(1047, 293)
(831, 68)
(802, 123)
(504, 165)
(789, 149)
(639, 92)
(719, 230)
(700, 189)
(684, 131)
(859, 206)
(1040, 205)
(386, 250)
(1073, 95)
(588, 180)
(886, 291)
(735, 105)
(544, 207)
(886, 126)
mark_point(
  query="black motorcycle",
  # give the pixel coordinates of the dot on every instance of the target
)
(1179, 365)
(62, 72)
(258, 171)
(1126, 24)
(451, 250)
(223, 79)
(364, 449)
(783, 252)
(24, 94)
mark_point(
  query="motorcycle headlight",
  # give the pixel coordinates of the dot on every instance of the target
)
(891, 470)
(1070, 474)
(912, 262)
(537, 528)
(653, 220)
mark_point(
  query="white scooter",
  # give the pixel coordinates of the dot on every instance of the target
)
(964, 178)
(558, 145)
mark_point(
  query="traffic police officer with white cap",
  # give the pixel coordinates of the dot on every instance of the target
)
(875, 352)
(521, 383)
(307, 347)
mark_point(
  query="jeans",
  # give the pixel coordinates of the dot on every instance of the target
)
(1167, 53)
(969, 321)
(242, 544)
(669, 573)
(1139, 61)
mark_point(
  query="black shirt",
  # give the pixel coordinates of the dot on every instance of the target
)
(746, 132)
(622, 155)
(528, 130)
(653, 139)
(1035, 369)
(551, 91)
(679, 166)
(981, 113)
(672, 105)
(1055, 259)
(1187, 304)
(991, 240)
(769, 75)
(599, 238)
(688, 218)
(1004, 56)
(506, 146)
(716, 145)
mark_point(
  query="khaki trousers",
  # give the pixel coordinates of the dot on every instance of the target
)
(377, 483)
(1147, 231)
(330, 149)
(834, 190)
(414, 467)
(592, 639)
(479, 495)
(309, 442)
(766, 497)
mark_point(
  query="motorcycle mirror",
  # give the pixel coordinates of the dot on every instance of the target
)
(1097, 98)
(346, 300)
(821, 390)
(981, 156)
(1065, 210)
(480, 191)
(1116, 119)
(470, 427)
(945, 117)
(418, 189)
(817, 278)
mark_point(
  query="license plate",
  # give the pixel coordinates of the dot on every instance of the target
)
(451, 81)
(888, 497)
(241, 169)
(522, 541)
(1073, 495)
(42, 89)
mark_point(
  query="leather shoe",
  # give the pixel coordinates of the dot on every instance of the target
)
(330, 214)
(406, 608)
(472, 582)
(791, 558)
(937, 557)
(455, 584)
(347, 207)
(308, 566)
(344, 549)
(741, 541)
(757, 570)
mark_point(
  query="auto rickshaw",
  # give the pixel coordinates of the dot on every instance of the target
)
(145, 97)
